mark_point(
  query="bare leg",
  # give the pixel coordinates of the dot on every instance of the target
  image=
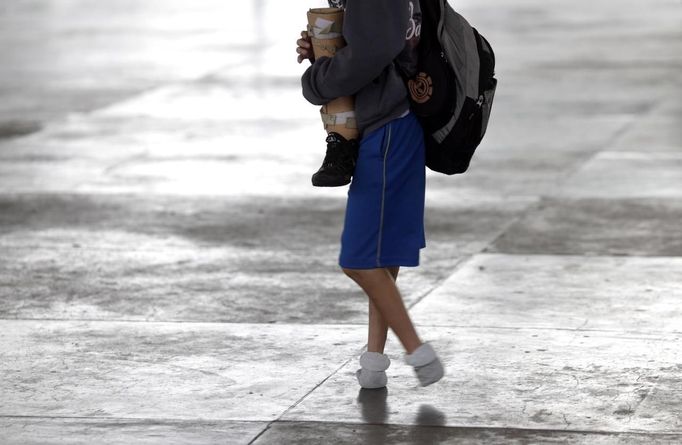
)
(380, 287)
(378, 327)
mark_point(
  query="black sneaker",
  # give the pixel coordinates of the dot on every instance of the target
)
(339, 162)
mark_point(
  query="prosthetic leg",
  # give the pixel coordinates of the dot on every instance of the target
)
(338, 116)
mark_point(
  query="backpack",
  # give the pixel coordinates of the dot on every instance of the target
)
(452, 92)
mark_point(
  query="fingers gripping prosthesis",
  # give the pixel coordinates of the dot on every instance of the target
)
(324, 27)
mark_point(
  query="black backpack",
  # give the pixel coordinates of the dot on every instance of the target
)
(452, 92)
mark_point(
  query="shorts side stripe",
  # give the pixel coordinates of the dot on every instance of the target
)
(383, 197)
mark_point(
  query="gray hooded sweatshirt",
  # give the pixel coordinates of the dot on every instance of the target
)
(377, 33)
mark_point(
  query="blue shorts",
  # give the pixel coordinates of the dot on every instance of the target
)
(384, 223)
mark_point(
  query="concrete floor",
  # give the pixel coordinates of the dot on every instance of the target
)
(168, 275)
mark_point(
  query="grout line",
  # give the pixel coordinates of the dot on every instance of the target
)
(64, 116)
(455, 268)
(568, 174)
(122, 162)
(563, 178)
(297, 402)
(494, 428)
(610, 143)
(388, 424)
(114, 418)
(522, 214)
(358, 324)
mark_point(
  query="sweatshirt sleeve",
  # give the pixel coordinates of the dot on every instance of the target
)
(374, 31)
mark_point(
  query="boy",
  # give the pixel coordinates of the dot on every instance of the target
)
(384, 221)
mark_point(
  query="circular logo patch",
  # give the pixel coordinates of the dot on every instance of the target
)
(421, 88)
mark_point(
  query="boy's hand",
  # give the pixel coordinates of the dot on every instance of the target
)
(305, 48)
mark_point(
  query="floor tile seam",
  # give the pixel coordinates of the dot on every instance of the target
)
(456, 267)
(152, 196)
(345, 325)
(260, 433)
(564, 254)
(487, 201)
(651, 111)
(541, 198)
(485, 427)
(547, 328)
(520, 72)
(564, 176)
(304, 396)
(155, 89)
(69, 246)
(528, 209)
(663, 155)
(188, 245)
(185, 420)
(308, 194)
(245, 199)
(108, 169)
(153, 420)
(63, 119)
(143, 418)
(178, 246)
(121, 158)
(570, 173)
(466, 258)
(556, 182)
(38, 158)
(577, 256)
(123, 198)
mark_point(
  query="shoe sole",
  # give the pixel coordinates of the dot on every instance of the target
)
(330, 184)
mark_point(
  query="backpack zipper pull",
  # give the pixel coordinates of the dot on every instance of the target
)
(479, 104)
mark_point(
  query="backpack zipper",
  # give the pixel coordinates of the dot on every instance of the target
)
(479, 104)
(480, 100)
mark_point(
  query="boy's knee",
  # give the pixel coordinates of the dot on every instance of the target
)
(362, 275)
(353, 274)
